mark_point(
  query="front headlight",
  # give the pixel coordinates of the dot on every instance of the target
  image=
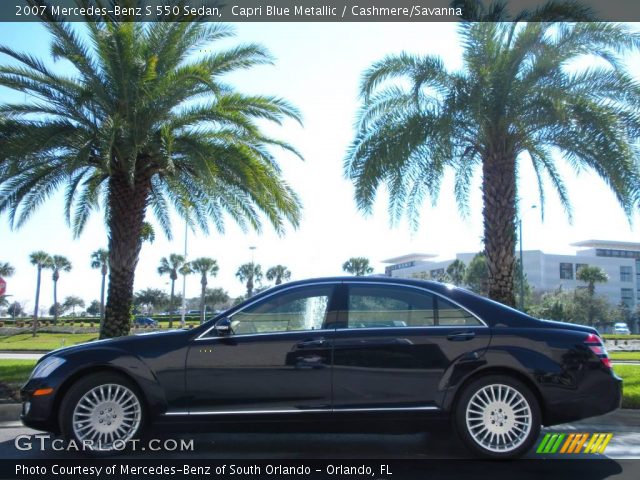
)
(46, 367)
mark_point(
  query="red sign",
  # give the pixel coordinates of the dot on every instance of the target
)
(3, 286)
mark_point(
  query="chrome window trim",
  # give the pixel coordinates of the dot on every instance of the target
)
(350, 282)
(309, 410)
(245, 335)
(264, 298)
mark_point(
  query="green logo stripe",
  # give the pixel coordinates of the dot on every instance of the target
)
(544, 441)
(550, 443)
(556, 446)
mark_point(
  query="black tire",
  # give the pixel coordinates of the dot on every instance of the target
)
(134, 408)
(476, 430)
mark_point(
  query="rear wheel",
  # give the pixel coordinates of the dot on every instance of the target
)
(498, 416)
(102, 413)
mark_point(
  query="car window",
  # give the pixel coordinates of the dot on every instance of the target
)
(301, 309)
(452, 315)
(374, 306)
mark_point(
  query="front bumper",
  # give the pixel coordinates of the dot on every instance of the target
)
(38, 412)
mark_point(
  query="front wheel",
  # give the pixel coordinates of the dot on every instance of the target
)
(498, 417)
(102, 413)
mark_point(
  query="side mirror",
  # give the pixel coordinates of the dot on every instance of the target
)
(223, 327)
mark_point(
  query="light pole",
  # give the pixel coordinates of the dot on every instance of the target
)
(184, 277)
(521, 264)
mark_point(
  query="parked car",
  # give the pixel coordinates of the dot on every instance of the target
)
(145, 322)
(621, 328)
(357, 354)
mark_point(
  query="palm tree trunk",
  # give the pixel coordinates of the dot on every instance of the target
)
(104, 279)
(203, 283)
(499, 197)
(172, 303)
(35, 310)
(55, 300)
(127, 205)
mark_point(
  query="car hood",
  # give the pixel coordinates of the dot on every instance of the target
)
(124, 343)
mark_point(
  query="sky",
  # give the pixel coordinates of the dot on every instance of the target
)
(318, 67)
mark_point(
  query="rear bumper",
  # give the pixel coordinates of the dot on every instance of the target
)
(601, 398)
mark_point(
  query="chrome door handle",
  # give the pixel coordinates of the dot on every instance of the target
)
(461, 337)
(311, 343)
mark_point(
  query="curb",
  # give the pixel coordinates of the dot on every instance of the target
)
(10, 412)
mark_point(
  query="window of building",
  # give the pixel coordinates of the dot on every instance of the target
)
(626, 273)
(626, 296)
(566, 271)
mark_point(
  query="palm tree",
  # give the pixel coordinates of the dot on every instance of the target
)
(41, 260)
(358, 266)
(456, 272)
(58, 264)
(514, 101)
(170, 266)
(278, 273)
(250, 274)
(141, 123)
(6, 269)
(204, 266)
(591, 274)
(100, 259)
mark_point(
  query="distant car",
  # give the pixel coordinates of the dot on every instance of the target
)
(336, 354)
(621, 329)
(193, 312)
(145, 322)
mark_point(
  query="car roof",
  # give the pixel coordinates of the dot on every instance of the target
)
(490, 311)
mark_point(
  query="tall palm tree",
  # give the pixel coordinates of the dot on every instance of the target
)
(6, 269)
(58, 264)
(170, 266)
(41, 260)
(358, 266)
(591, 274)
(514, 101)
(144, 121)
(278, 273)
(204, 266)
(100, 259)
(250, 274)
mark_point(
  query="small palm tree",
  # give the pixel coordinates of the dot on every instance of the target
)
(58, 264)
(141, 123)
(100, 259)
(278, 273)
(71, 302)
(204, 266)
(456, 272)
(6, 269)
(514, 101)
(170, 266)
(250, 274)
(358, 266)
(41, 260)
(591, 274)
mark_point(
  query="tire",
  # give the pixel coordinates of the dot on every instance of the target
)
(105, 409)
(497, 416)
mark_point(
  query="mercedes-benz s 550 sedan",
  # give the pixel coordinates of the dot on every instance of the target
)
(337, 354)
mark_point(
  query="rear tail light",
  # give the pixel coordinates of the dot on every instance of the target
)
(595, 344)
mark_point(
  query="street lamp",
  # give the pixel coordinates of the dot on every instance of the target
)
(521, 263)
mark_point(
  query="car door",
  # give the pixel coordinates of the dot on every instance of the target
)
(277, 358)
(395, 343)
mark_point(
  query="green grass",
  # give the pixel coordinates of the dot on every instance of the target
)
(631, 376)
(15, 372)
(610, 336)
(44, 341)
(625, 356)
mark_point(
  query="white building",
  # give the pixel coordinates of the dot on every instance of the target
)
(548, 271)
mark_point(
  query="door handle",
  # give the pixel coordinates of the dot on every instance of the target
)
(461, 337)
(319, 342)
